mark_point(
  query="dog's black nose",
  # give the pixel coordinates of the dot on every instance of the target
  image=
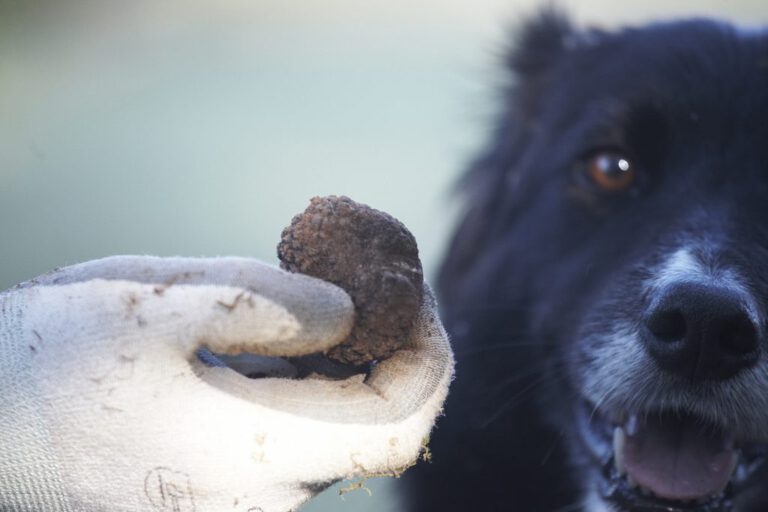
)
(701, 332)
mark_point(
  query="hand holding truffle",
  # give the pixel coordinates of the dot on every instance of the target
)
(106, 406)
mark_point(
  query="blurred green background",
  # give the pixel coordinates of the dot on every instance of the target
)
(199, 127)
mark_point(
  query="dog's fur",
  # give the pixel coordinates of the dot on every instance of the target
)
(548, 276)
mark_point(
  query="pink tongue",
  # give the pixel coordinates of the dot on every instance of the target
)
(677, 458)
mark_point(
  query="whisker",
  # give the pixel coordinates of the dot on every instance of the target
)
(503, 346)
(541, 368)
(514, 399)
(571, 507)
(493, 306)
(552, 447)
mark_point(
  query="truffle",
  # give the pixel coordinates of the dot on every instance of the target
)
(373, 257)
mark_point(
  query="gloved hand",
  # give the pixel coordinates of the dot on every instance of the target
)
(104, 405)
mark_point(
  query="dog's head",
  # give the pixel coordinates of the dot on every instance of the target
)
(623, 209)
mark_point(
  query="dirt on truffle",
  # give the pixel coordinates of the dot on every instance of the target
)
(373, 257)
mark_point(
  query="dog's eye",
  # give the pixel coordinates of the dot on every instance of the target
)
(611, 171)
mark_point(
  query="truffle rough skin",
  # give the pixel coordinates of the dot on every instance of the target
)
(373, 257)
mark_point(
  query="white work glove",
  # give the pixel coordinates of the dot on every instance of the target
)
(105, 406)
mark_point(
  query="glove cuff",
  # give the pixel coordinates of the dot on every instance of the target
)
(30, 480)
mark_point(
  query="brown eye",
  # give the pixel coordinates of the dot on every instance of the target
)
(611, 171)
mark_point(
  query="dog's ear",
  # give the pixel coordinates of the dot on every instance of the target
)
(540, 43)
(538, 46)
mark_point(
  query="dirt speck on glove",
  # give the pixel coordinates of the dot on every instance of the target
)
(373, 257)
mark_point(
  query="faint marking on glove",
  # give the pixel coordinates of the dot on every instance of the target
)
(123, 369)
(169, 491)
(184, 276)
(242, 297)
(259, 454)
(252, 508)
(39, 338)
(131, 301)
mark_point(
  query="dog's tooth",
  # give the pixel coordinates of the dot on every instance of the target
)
(618, 449)
(632, 425)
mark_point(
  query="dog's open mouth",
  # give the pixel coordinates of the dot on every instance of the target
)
(668, 460)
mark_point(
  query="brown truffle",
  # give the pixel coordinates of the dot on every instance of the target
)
(372, 256)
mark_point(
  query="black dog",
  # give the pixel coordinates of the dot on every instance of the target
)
(607, 290)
